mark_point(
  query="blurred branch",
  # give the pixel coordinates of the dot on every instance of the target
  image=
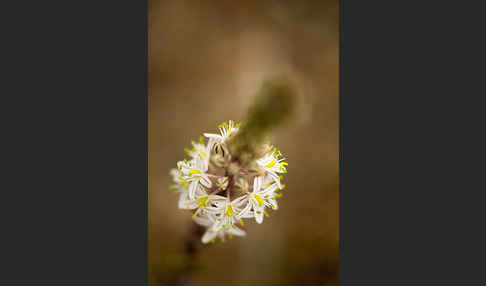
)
(192, 246)
(274, 103)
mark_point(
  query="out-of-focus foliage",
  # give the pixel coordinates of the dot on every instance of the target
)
(274, 103)
(207, 59)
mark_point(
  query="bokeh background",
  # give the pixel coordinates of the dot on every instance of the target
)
(207, 59)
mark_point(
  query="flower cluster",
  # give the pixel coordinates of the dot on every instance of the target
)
(221, 191)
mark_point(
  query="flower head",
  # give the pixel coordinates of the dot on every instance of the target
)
(211, 234)
(202, 201)
(259, 199)
(228, 214)
(272, 163)
(194, 172)
(178, 178)
(226, 130)
(200, 151)
(221, 191)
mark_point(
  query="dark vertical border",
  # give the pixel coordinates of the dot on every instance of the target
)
(76, 111)
(409, 104)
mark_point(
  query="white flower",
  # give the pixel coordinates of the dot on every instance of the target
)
(210, 234)
(259, 199)
(229, 213)
(203, 202)
(272, 164)
(226, 130)
(201, 151)
(178, 178)
(194, 172)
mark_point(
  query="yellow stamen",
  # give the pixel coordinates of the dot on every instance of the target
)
(192, 172)
(202, 201)
(271, 164)
(259, 200)
(229, 211)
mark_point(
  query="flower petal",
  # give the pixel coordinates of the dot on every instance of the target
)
(274, 203)
(192, 189)
(214, 136)
(244, 211)
(269, 191)
(208, 236)
(204, 221)
(257, 183)
(239, 201)
(259, 214)
(217, 225)
(276, 178)
(217, 198)
(237, 231)
(183, 201)
(205, 181)
(248, 214)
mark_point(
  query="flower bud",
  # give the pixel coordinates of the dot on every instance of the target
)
(233, 168)
(222, 183)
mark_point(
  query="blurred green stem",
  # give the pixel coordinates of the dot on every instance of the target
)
(274, 103)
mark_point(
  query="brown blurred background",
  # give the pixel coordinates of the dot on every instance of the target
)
(206, 61)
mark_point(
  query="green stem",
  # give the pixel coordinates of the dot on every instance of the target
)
(273, 104)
